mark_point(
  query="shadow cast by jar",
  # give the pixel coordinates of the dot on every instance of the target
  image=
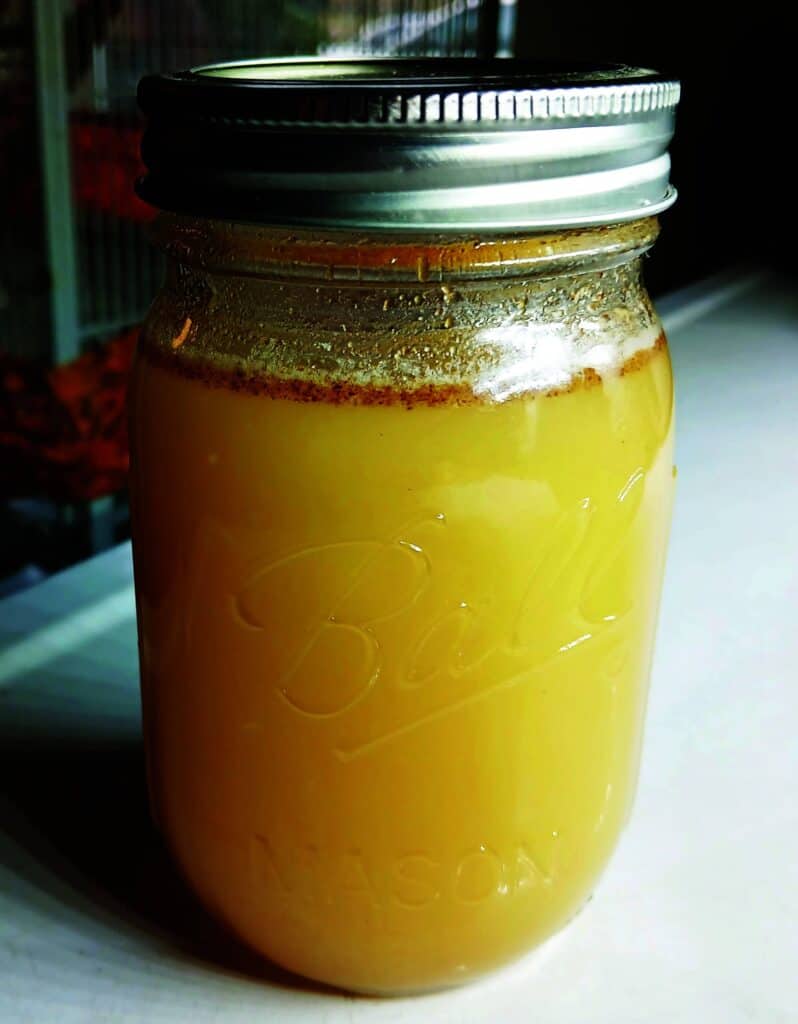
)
(77, 836)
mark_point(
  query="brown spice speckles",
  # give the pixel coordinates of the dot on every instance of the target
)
(639, 359)
(178, 340)
(348, 393)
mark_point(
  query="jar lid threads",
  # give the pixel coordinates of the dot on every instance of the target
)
(449, 144)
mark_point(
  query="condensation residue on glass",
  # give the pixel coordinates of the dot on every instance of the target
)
(409, 318)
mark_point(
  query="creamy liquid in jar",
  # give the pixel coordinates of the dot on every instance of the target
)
(419, 626)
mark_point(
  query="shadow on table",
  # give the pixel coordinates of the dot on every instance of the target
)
(76, 805)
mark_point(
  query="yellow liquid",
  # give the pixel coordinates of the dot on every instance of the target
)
(394, 660)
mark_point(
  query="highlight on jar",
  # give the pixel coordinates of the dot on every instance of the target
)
(402, 472)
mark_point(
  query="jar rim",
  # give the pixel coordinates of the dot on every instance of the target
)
(344, 255)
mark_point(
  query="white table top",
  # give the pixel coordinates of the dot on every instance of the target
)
(696, 919)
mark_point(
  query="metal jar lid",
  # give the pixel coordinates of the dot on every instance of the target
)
(444, 144)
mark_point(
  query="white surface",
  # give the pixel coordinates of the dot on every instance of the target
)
(697, 918)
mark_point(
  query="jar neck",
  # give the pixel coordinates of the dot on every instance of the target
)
(225, 247)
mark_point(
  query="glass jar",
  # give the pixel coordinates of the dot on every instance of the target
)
(400, 502)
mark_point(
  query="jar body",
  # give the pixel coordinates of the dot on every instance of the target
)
(398, 558)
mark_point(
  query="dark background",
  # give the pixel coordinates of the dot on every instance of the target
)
(76, 271)
(733, 159)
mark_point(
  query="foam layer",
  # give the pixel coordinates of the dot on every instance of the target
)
(543, 367)
(546, 358)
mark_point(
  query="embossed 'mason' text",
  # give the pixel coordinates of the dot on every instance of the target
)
(411, 880)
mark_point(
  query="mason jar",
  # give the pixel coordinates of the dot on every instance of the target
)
(401, 431)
